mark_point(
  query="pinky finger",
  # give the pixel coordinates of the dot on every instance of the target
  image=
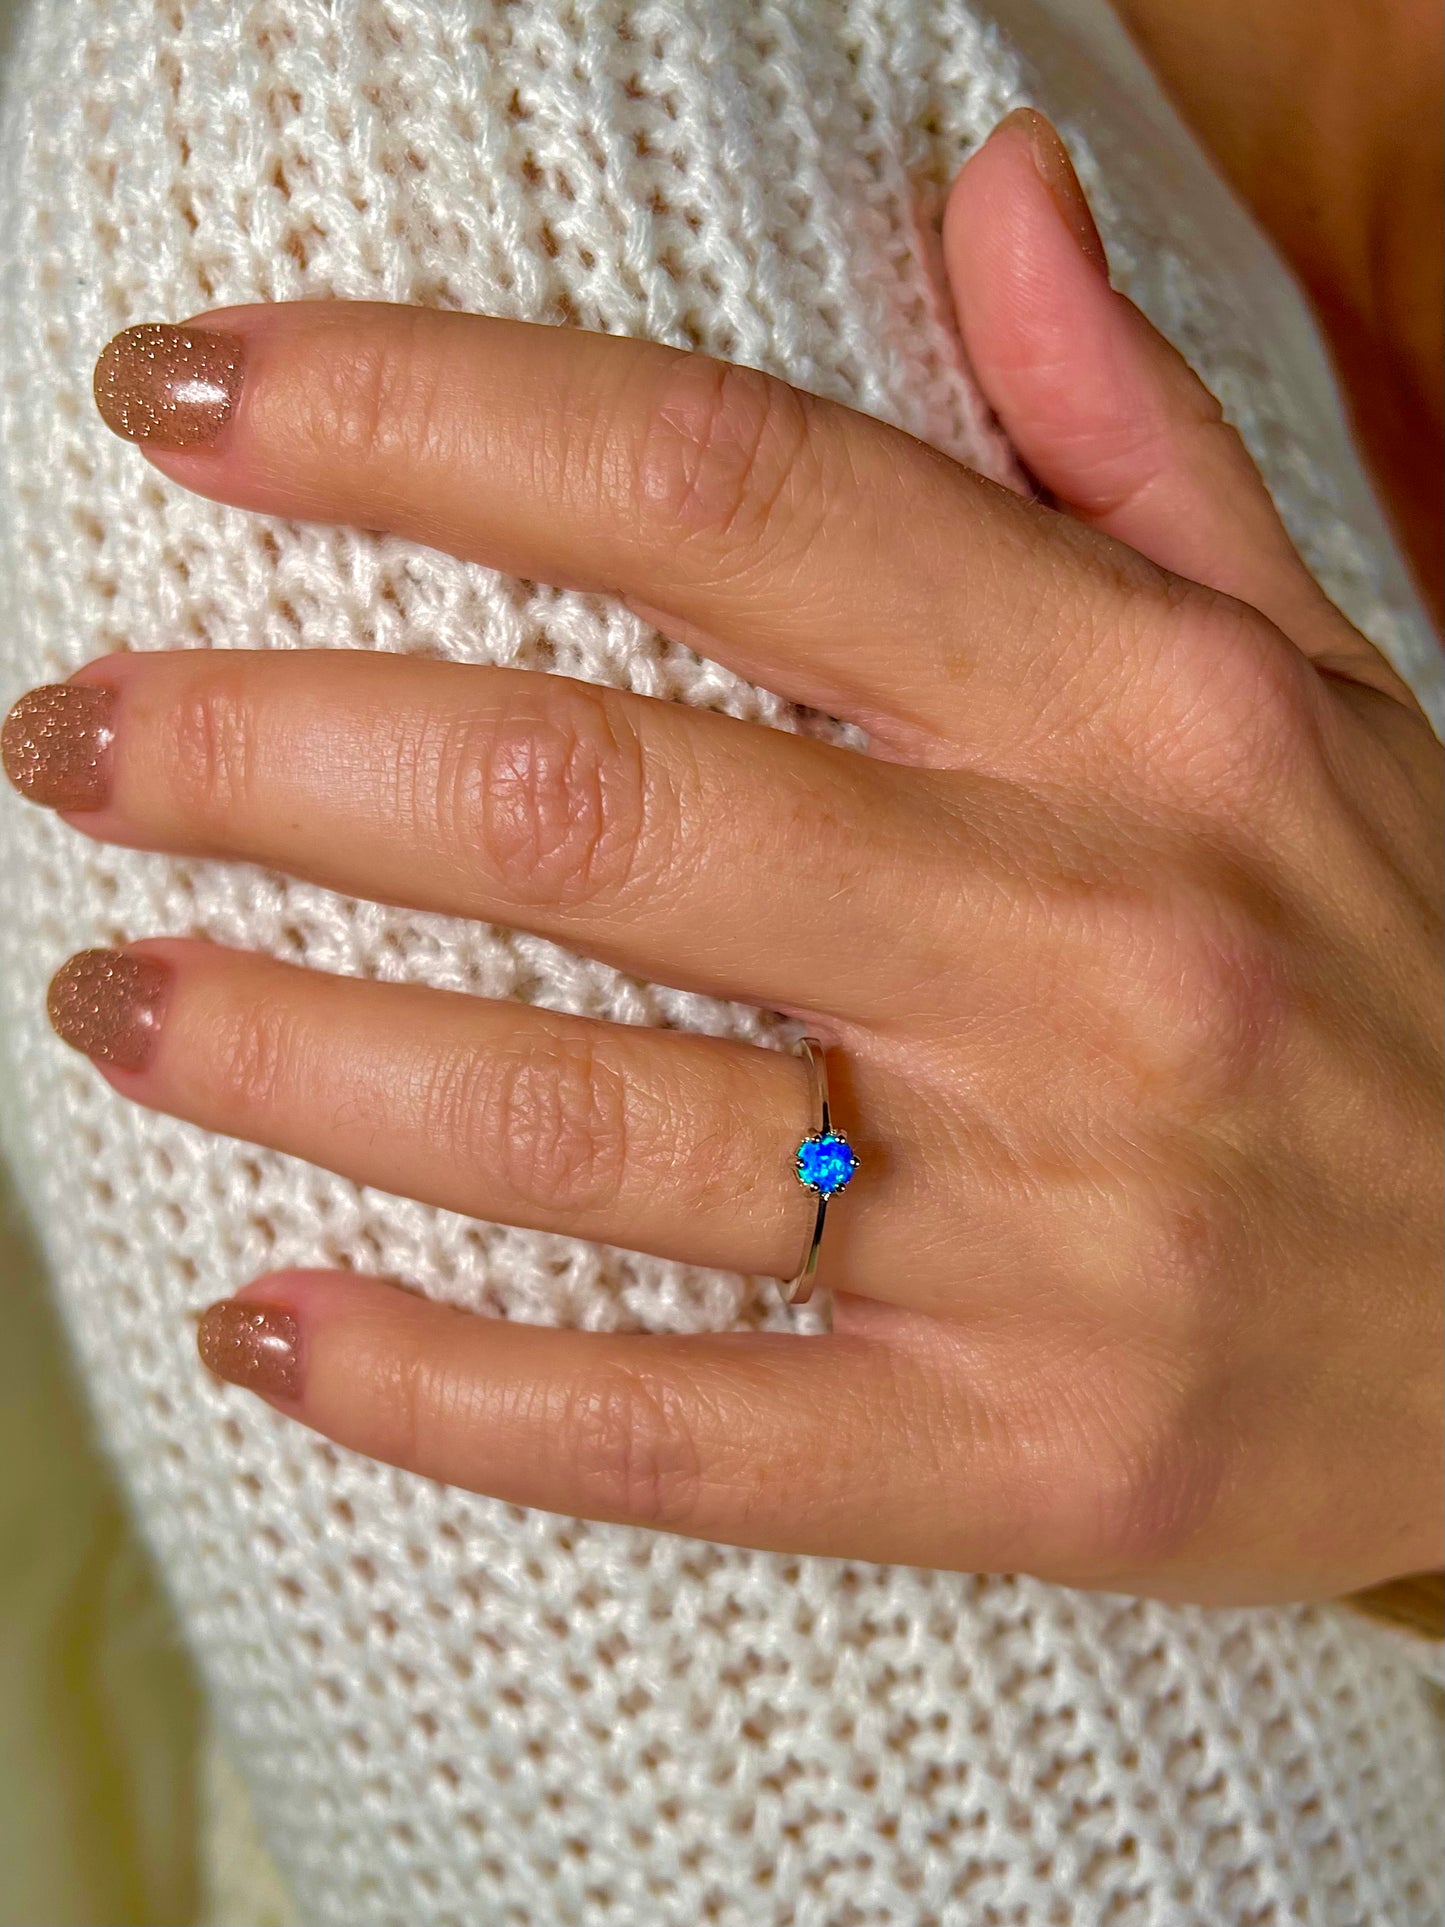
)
(839, 1445)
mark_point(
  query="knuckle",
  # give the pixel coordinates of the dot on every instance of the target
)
(398, 1389)
(213, 746)
(256, 1051)
(420, 1398)
(378, 404)
(556, 798)
(1221, 999)
(723, 453)
(1181, 1248)
(1156, 1462)
(1191, 1264)
(1156, 1489)
(1242, 709)
(554, 1118)
(628, 1442)
(1127, 1467)
(1193, 990)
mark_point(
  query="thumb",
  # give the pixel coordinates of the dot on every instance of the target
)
(1107, 416)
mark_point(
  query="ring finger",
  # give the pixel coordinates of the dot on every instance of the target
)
(673, 1143)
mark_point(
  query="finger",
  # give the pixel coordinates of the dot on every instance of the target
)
(668, 1142)
(675, 842)
(831, 557)
(1106, 414)
(825, 1445)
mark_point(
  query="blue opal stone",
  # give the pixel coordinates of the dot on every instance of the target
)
(826, 1162)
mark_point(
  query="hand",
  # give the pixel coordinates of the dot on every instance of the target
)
(1124, 939)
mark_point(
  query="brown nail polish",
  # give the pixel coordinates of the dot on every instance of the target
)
(251, 1345)
(55, 745)
(1056, 170)
(109, 1004)
(170, 387)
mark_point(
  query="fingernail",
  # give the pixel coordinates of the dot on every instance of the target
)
(55, 745)
(252, 1345)
(1056, 170)
(170, 387)
(109, 1004)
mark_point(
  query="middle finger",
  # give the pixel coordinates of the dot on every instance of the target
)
(675, 843)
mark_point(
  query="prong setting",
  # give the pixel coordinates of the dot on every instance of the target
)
(825, 1162)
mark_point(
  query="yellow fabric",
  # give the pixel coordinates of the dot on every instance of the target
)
(242, 1886)
(99, 1713)
(98, 1708)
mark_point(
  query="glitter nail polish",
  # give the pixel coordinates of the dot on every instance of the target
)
(251, 1345)
(1056, 170)
(109, 1004)
(55, 745)
(169, 387)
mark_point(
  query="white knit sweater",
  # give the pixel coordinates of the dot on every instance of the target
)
(453, 1713)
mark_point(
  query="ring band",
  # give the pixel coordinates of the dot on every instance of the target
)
(823, 1163)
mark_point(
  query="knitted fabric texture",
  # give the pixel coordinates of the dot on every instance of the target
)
(451, 1712)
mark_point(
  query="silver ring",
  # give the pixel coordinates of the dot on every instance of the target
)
(823, 1163)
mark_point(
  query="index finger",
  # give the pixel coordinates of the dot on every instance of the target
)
(823, 554)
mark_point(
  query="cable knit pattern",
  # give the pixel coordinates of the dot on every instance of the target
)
(452, 1713)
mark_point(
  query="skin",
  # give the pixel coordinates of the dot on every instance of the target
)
(1327, 118)
(1124, 940)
